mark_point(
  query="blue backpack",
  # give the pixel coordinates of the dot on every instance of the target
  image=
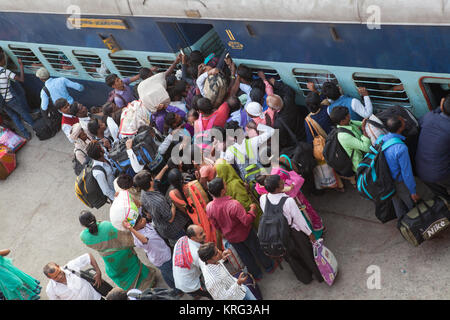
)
(374, 180)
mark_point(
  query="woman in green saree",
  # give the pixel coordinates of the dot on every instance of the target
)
(116, 248)
(16, 284)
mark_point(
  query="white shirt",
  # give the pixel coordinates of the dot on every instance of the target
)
(254, 143)
(290, 210)
(113, 128)
(76, 287)
(134, 161)
(220, 284)
(5, 87)
(84, 123)
(188, 280)
(180, 105)
(364, 110)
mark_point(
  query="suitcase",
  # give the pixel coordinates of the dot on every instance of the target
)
(424, 221)
(7, 162)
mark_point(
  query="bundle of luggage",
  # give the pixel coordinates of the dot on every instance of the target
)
(10, 143)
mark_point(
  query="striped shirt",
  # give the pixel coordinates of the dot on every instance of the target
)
(5, 87)
(220, 284)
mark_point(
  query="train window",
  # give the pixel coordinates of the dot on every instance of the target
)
(161, 63)
(384, 90)
(434, 89)
(270, 73)
(9, 63)
(318, 77)
(30, 62)
(212, 45)
(128, 66)
(59, 62)
(90, 61)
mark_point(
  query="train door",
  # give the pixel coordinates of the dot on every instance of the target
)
(434, 89)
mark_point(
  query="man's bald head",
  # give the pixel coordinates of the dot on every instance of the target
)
(275, 102)
(196, 233)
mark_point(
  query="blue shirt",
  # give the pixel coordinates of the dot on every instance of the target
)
(58, 89)
(399, 163)
(323, 120)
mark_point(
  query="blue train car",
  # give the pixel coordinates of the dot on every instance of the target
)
(396, 49)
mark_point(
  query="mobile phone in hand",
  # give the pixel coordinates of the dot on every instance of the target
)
(245, 270)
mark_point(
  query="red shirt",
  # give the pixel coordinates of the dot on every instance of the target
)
(69, 120)
(231, 218)
(222, 114)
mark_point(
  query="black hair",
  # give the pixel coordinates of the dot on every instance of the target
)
(143, 179)
(170, 80)
(145, 73)
(234, 103)
(124, 181)
(204, 105)
(446, 105)
(194, 102)
(93, 126)
(257, 95)
(245, 73)
(110, 79)
(215, 187)
(73, 110)
(94, 150)
(258, 84)
(61, 102)
(312, 102)
(206, 251)
(193, 71)
(232, 125)
(170, 119)
(176, 180)
(88, 220)
(260, 178)
(393, 123)
(194, 113)
(331, 90)
(272, 182)
(108, 109)
(196, 57)
(338, 114)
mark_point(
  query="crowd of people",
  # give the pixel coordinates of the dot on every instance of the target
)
(230, 147)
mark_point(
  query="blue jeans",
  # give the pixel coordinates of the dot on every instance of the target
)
(249, 294)
(15, 110)
(249, 250)
(167, 274)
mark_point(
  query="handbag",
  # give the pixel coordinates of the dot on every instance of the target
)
(424, 221)
(325, 177)
(318, 140)
(87, 275)
(326, 262)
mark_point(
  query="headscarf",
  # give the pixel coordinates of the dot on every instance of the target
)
(182, 254)
(255, 110)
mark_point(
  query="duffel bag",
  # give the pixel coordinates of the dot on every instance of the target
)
(424, 221)
(43, 130)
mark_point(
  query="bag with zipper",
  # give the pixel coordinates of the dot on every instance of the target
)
(335, 155)
(318, 139)
(89, 276)
(87, 188)
(326, 262)
(424, 221)
(373, 176)
(77, 165)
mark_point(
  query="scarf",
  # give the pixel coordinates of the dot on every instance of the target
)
(183, 257)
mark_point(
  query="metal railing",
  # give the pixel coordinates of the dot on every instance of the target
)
(59, 62)
(127, 66)
(317, 77)
(90, 62)
(31, 63)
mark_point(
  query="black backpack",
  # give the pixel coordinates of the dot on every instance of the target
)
(77, 165)
(87, 188)
(273, 230)
(155, 294)
(335, 155)
(47, 128)
(374, 181)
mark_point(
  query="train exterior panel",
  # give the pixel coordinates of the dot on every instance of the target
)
(296, 52)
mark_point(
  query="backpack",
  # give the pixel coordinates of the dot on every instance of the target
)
(216, 89)
(77, 165)
(247, 171)
(273, 229)
(374, 181)
(87, 188)
(47, 128)
(335, 155)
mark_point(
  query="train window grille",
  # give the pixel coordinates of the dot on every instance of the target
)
(268, 72)
(384, 90)
(127, 66)
(161, 63)
(59, 61)
(9, 62)
(212, 45)
(31, 63)
(90, 63)
(318, 77)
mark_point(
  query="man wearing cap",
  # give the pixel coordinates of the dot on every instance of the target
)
(57, 88)
(255, 112)
(67, 285)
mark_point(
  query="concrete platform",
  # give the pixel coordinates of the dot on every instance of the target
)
(39, 223)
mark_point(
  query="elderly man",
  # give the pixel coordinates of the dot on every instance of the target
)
(67, 284)
(55, 88)
(186, 265)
